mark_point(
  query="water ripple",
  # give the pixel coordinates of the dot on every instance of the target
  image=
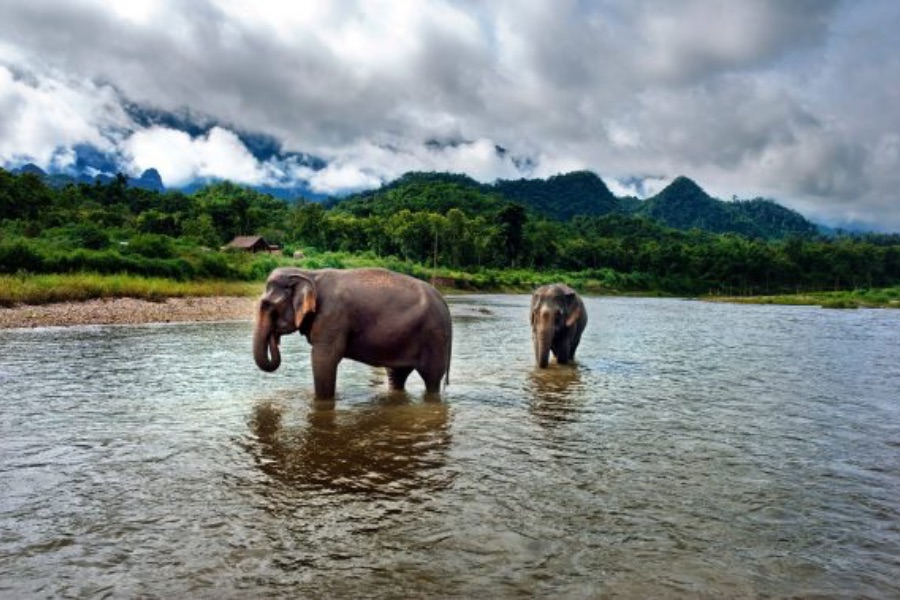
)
(692, 450)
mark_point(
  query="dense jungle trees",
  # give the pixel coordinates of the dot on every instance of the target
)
(435, 220)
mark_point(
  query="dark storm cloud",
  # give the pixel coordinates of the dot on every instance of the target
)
(796, 100)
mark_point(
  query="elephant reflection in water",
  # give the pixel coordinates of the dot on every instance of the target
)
(555, 394)
(390, 446)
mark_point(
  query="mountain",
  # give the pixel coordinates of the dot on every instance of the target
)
(681, 205)
(148, 180)
(775, 220)
(562, 196)
(417, 191)
(685, 205)
(288, 192)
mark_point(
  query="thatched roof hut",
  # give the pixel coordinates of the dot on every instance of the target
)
(251, 243)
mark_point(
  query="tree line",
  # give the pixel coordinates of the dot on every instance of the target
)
(439, 222)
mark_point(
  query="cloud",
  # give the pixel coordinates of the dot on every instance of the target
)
(688, 41)
(638, 186)
(390, 159)
(179, 158)
(795, 100)
(42, 119)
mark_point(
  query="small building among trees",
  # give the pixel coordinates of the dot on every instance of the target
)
(252, 243)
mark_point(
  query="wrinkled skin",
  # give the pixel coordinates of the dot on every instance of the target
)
(558, 319)
(373, 316)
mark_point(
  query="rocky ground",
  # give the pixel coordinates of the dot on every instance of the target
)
(128, 311)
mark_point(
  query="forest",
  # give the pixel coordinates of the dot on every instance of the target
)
(436, 225)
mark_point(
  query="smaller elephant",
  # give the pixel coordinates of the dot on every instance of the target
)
(558, 319)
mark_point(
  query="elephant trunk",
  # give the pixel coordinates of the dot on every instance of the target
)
(265, 343)
(543, 339)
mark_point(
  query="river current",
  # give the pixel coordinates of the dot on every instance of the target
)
(694, 450)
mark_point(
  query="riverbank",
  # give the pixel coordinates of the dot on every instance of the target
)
(133, 311)
(128, 311)
(874, 298)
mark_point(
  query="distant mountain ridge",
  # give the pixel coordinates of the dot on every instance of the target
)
(685, 205)
(681, 205)
(150, 179)
(583, 193)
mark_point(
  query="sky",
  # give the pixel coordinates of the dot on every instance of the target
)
(794, 100)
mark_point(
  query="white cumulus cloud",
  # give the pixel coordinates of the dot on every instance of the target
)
(180, 158)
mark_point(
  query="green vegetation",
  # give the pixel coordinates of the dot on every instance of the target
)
(107, 237)
(45, 289)
(880, 298)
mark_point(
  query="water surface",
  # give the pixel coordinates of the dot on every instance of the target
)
(694, 450)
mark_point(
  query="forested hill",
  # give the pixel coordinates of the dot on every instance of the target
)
(443, 221)
(682, 205)
(562, 196)
(423, 192)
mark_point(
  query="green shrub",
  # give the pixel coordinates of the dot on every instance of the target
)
(152, 245)
(20, 255)
(90, 236)
(215, 266)
(839, 303)
(261, 267)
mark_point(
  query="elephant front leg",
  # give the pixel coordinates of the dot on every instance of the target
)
(325, 360)
(397, 377)
(562, 353)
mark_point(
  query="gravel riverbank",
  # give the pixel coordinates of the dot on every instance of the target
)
(124, 311)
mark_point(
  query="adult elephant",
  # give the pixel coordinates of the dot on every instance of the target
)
(373, 316)
(558, 318)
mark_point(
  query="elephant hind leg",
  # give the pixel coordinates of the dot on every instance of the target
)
(575, 342)
(432, 376)
(434, 362)
(397, 377)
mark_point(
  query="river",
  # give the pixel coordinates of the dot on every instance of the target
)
(696, 449)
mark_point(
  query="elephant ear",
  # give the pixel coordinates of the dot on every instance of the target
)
(573, 306)
(304, 298)
(534, 305)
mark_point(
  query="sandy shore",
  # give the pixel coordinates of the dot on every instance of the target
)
(128, 311)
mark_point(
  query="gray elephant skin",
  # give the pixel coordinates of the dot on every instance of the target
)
(558, 319)
(373, 316)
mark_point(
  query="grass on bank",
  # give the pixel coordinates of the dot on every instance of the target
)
(26, 288)
(869, 298)
(47, 289)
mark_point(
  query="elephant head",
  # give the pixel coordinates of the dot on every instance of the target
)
(289, 299)
(555, 311)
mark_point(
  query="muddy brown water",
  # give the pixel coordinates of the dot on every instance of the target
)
(695, 450)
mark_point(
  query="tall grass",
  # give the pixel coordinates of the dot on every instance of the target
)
(46, 289)
(26, 288)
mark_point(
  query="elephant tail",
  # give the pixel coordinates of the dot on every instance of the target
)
(449, 353)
